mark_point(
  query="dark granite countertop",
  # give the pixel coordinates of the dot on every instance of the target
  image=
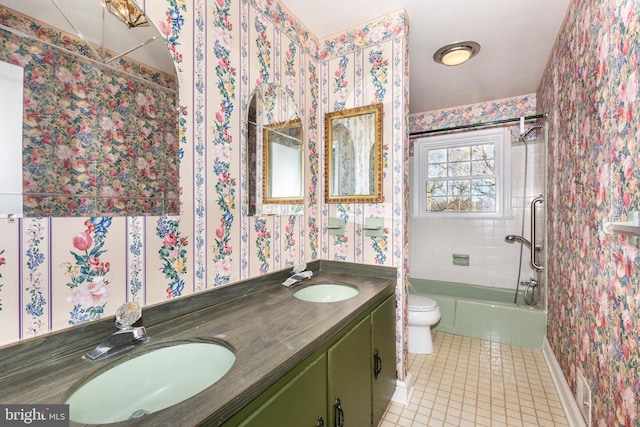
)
(270, 330)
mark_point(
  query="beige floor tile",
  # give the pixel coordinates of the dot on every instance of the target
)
(421, 419)
(471, 382)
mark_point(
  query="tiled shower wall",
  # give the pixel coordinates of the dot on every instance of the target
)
(493, 262)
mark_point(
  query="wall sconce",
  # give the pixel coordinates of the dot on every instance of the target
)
(456, 53)
(127, 12)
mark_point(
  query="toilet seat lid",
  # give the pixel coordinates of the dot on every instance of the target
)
(421, 303)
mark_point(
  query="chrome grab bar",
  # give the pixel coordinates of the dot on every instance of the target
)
(532, 261)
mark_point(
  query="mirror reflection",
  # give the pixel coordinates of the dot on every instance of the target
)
(11, 77)
(282, 176)
(100, 117)
(353, 155)
(275, 162)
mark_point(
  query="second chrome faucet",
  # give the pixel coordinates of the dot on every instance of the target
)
(298, 274)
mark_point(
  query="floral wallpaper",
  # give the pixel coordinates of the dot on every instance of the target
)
(590, 90)
(35, 259)
(57, 272)
(225, 187)
(313, 161)
(500, 109)
(88, 280)
(356, 38)
(361, 66)
(67, 165)
(173, 254)
(350, 81)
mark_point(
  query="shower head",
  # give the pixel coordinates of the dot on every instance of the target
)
(525, 135)
(512, 238)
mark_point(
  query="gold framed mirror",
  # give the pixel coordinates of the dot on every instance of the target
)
(353, 155)
(282, 165)
(272, 115)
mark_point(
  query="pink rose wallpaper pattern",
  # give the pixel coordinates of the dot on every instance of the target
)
(97, 140)
(590, 90)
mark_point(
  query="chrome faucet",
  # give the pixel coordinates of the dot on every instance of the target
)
(298, 274)
(125, 338)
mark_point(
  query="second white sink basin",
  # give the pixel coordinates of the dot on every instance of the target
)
(150, 382)
(326, 292)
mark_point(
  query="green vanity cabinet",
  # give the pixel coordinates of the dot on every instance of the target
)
(383, 344)
(355, 368)
(350, 362)
(301, 402)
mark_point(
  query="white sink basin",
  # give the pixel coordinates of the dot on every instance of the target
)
(326, 292)
(149, 382)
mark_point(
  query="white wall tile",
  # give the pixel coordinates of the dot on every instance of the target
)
(493, 262)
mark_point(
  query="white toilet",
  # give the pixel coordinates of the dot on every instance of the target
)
(423, 313)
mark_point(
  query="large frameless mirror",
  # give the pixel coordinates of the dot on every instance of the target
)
(100, 129)
(353, 155)
(275, 163)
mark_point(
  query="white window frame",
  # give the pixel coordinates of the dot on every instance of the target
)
(499, 137)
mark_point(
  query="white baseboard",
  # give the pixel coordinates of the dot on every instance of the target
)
(569, 405)
(404, 391)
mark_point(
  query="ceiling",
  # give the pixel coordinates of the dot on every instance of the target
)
(516, 37)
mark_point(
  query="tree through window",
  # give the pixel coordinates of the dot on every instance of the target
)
(461, 173)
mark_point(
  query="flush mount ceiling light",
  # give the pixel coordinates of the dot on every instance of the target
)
(456, 53)
(127, 12)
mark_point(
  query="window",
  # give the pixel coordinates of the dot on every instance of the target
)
(462, 174)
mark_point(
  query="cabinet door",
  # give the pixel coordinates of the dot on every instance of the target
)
(383, 343)
(300, 403)
(350, 378)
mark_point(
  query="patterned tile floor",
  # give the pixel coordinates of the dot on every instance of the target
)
(471, 382)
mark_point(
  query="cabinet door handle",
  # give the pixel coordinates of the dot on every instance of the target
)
(377, 364)
(339, 413)
(320, 422)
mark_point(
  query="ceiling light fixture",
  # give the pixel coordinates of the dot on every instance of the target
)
(127, 12)
(456, 53)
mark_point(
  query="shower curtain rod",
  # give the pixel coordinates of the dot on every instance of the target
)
(476, 125)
